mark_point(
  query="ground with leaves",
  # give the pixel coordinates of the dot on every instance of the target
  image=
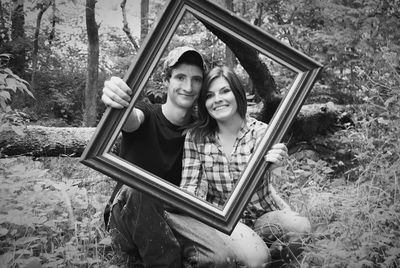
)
(51, 208)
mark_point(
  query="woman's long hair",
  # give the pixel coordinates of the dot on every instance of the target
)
(206, 126)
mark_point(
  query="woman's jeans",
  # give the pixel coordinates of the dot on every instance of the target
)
(140, 226)
(275, 224)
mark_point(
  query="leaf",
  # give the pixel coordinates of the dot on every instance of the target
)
(106, 241)
(19, 130)
(393, 252)
(3, 232)
(33, 262)
(6, 258)
(3, 104)
(8, 71)
(25, 240)
(3, 79)
(391, 100)
(5, 94)
(327, 170)
(12, 84)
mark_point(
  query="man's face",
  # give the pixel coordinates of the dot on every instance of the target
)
(184, 85)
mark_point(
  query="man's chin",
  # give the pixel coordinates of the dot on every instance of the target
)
(186, 104)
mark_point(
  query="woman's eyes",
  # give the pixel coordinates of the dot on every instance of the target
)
(226, 90)
(221, 92)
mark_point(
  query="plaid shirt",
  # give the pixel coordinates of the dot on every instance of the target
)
(210, 175)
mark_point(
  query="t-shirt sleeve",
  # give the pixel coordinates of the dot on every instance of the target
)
(146, 108)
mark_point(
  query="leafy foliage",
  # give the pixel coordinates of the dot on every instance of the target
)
(56, 215)
(355, 210)
(10, 84)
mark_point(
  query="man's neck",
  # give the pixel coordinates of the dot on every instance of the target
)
(176, 115)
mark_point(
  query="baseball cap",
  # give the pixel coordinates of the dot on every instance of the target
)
(184, 54)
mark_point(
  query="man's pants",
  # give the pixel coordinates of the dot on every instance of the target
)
(140, 226)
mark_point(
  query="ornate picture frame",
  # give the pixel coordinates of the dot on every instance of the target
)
(98, 156)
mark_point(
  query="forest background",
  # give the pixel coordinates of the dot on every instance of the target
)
(55, 56)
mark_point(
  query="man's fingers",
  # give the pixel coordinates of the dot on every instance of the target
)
(116, 93)
(121, 84)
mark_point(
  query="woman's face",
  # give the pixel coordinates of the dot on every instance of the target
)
(220, 101)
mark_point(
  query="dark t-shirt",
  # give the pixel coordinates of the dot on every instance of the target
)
(156, 146)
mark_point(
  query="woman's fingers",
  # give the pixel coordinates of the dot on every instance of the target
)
(277, 155)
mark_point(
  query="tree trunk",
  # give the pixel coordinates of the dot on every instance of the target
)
(43, 8)
(90, 113)
(229, 55)
(53, 22)
(4, 38)
(144, 19)
(18, 37)
(45, 141)
(313, 121)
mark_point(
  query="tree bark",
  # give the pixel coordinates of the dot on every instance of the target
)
(53, 22)
(4, 38)
(229, 55)
(313, 121)
(18, 37)
(90, 113)
(43, 7)
(144, 19)
(45, 141)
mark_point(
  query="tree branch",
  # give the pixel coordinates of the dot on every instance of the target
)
(126, 28)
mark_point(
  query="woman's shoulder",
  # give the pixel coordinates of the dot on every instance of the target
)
(195, 136)
(253, 122)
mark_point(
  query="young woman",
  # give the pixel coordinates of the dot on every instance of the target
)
(218, 148)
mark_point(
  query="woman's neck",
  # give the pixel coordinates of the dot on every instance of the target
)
(230, 127)
(227, 134)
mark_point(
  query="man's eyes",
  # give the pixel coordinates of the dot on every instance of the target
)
(198, 80)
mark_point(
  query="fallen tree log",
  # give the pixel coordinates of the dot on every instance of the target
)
(313, 120)
(45, 141)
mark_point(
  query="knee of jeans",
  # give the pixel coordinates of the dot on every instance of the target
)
(298, 224)
(289, 221)
(194, 257)
(120, 241)
(257, 260)
(304, 226)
